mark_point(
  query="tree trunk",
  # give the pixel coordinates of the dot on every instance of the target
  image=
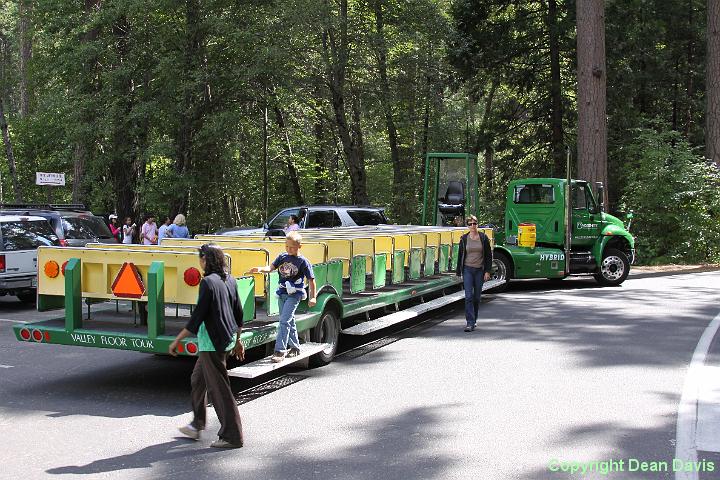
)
(403, 181)
(335, 53)
(290, 163)
(484, 142)
(556, 119)
(689, 84)
(592, 128)
(17, 190)
(25, 38)
(265, 198)
(712, 116)
(321, 177)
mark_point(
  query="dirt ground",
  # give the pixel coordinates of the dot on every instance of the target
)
(675, 268)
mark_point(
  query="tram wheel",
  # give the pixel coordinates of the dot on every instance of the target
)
(326, 331)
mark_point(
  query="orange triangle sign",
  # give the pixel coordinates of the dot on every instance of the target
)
(128, 282)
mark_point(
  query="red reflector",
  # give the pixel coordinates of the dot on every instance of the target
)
(25, 334)
(47, 336)
(181, 348)
(191, 348)
(37, 335)
(63, 267)
(63, 243)
(192, 276)
(2, 263)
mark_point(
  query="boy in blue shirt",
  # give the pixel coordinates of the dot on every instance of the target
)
(293, 269)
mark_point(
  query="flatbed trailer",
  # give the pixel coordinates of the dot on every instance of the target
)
(367, 279)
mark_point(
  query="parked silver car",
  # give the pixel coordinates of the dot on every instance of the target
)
(315, 216)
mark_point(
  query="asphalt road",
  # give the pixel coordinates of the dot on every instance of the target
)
(556, 374)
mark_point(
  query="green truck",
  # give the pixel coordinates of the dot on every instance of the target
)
(573, 234)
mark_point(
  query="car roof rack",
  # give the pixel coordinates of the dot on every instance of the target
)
(45, 206)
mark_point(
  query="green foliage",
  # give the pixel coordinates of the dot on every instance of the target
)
(673, 194)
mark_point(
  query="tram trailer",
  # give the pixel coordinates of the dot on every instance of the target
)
(364, 284)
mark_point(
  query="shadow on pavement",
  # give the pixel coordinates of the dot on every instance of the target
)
(397, 447)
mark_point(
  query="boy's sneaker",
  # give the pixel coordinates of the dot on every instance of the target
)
(468, 328)
(190, 431)
(293, 352)
(220, 443)
(278, 357)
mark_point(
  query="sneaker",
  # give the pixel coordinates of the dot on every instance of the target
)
(472, 328)
(293, 352)
(190, 431)
(220, 443)
(278, 357)
(468, 328)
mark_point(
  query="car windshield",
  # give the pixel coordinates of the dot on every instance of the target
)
(85, 227)
(367, 217)
(27, 235)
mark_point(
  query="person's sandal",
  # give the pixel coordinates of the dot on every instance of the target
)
(293, 352)
(220, 443)
(278, 357)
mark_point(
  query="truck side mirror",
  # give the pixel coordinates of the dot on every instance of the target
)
(601, 195)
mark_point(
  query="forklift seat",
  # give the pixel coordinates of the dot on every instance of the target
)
(454, 201)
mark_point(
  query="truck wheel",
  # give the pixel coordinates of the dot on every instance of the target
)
(27, 297)
(502, 270)
(326, 331)
(614, 268)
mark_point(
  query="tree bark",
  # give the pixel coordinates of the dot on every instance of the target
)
(403, 181)
(17, 190)
(712, 116)
(289, 162)
(25, 37)
(265, 196)
(556, 119)
(335, 53)
(592, 128)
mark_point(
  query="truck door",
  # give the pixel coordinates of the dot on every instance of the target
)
(586, 216)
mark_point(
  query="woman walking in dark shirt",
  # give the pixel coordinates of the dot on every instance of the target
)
(215, 320)
(474, 264)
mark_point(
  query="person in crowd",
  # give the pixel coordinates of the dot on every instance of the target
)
(115, 228)
(128, 231)
(178, 228)
(474, 264)
(149, 231)
(293, 269)
(217, 321)
(292, 224)
(163, 230)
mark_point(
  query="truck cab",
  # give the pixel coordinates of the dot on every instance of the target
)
(598, 245)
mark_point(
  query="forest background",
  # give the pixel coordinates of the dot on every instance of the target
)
(227, 110)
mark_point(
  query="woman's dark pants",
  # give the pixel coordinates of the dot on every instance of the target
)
(209, 377)
(473, 279)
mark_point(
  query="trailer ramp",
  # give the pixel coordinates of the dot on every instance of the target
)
(412, 312)
(265, 365)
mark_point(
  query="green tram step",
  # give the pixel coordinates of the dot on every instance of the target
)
(265, 365)
(412, 312)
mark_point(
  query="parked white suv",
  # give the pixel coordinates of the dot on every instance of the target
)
(315, 216)
(19, 238)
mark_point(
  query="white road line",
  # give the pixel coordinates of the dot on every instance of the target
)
(12, 321)
(6, 366)
(686, 427)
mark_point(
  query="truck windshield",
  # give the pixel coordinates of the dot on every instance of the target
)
(85, 227)
(27, 235)
(530, 194)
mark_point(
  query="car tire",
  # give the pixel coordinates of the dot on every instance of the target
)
(614, 269)
(326, 331)
(502, 270)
